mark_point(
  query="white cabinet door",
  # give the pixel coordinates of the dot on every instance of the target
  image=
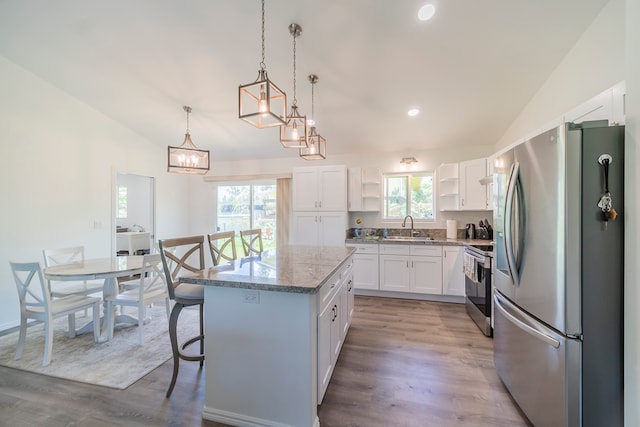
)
(394, 273)
(365, 271)
(305, 228)
(305, 189)
(319, 228)
(426, 275)
(320, 205)
(473, 195)
(332, 188)
(365, 266)
(490, 168)
(350, 300)
(344, 309)
(330, 336)
(325, 319)
(332, 227)
(452, 275)
(336, 327)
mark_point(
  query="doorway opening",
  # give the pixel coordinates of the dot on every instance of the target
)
(134, 222)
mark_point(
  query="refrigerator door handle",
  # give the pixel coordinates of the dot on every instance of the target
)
(508, 222)
(500, 303)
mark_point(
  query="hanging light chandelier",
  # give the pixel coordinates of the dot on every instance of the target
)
(188, 158)
(293, 134)
(316, 145)
(261, 103)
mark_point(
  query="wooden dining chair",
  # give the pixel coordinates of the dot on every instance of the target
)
(251, 241)
(151, 287)
(222, 246)
(71, 255)
(36, 303)
(179, 256)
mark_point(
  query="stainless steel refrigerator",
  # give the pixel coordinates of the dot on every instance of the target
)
(558, 276)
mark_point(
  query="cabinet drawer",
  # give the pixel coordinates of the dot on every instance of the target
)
(365, 249)
(426, 250)
(346, 269)
(328, 290)
(395, 249)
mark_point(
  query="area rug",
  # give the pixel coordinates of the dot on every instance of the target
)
(117, 363)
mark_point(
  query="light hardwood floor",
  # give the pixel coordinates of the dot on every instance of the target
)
(404, 363)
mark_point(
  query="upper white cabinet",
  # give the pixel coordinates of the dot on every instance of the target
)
(473, 194)
(608, 105)
(462, 186)
(319, 205)
(490, 169)
(320, 188)
(364, 189)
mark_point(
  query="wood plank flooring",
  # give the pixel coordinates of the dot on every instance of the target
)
(416, 363)
(404, 363)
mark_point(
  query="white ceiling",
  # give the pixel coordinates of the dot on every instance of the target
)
(471, 69)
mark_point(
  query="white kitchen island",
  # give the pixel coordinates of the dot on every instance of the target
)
(267, 341)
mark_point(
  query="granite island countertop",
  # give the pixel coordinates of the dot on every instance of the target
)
(292, 268)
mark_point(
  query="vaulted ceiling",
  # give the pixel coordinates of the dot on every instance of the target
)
(471, 69)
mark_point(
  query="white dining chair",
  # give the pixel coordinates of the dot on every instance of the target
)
(36, 303)
(150, 287)
(71, 255)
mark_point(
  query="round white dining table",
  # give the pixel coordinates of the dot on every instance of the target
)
(108, 269)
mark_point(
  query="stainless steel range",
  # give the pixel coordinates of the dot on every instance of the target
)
(477, 271)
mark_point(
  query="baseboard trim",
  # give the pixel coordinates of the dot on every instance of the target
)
(408, 295)
(240, 420)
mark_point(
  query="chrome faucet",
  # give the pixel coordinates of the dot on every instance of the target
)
(404, 223)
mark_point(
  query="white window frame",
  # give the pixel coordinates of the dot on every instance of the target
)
(408, 176)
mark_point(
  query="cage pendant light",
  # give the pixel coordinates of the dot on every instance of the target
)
(187, 158)
(293, 134)
(316, 145)
(262, 103)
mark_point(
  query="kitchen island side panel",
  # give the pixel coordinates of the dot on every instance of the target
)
(260, 357)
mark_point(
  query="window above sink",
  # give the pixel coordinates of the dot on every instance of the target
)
(408, 194)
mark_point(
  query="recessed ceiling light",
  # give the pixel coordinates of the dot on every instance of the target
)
(426, 12)
(413, 112)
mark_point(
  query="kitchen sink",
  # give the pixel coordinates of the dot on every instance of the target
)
(408, 239)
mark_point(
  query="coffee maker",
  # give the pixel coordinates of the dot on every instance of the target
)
(470, 231)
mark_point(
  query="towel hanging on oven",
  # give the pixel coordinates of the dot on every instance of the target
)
(470, 267)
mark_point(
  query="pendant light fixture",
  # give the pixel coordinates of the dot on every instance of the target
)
(316, 145)
(262, 103)
(188, 158)
(293, 134)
